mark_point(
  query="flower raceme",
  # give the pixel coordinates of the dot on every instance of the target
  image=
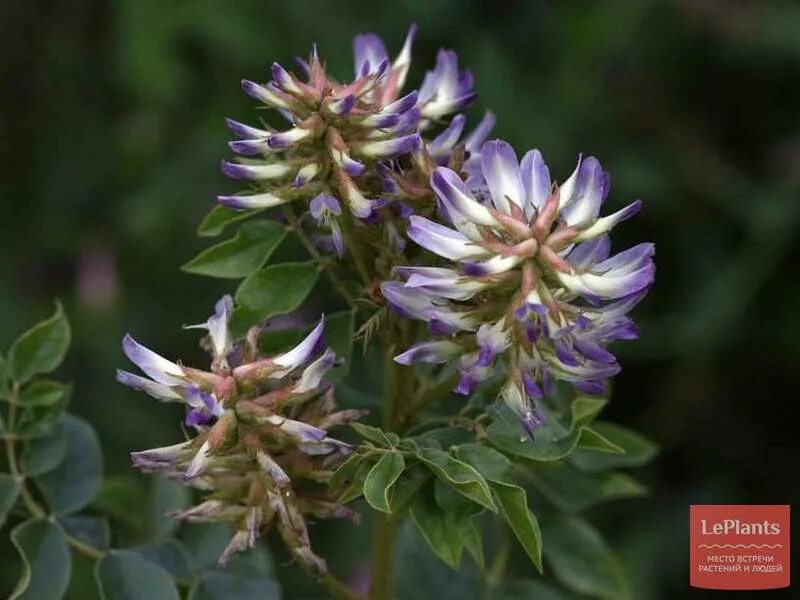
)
(261, 448)
(528, 280)
(344, 139)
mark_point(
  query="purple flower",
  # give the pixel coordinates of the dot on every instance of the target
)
(446, 90)
(218, 327)
(157, 367)
(533, 260)
(429, 352)
(325, 208)
(312, 345)
(362, 127)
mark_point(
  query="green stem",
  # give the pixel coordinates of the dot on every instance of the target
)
(383, 544)
(83, 547)
(11, 452)
(337, 588)
(322, 261)
(396, 383)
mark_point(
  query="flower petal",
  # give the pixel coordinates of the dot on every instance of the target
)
(154, 365)
(501, 171)
(152, 388)
(302, 353)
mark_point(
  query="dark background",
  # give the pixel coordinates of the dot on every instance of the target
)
(111, 131)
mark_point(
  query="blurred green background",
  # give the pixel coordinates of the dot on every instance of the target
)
(111, 131)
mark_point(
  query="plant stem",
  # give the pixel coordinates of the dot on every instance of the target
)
(383, 543)
(322, 261)
(385, 528)
(11, 452)
(83, 547)
(337, 588)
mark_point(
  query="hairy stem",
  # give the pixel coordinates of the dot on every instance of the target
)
(321, 260)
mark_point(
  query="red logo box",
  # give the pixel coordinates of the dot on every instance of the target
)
(739, 546)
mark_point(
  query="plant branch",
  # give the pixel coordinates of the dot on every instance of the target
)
(336, 587)
(11, 451)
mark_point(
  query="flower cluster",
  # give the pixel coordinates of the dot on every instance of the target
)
(261, 447)
(344, 138)
(529, 281)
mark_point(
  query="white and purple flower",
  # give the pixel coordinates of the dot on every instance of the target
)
(342, 133)
(528, 268)
(259, 419)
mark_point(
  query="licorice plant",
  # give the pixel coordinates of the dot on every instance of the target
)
(481, 290)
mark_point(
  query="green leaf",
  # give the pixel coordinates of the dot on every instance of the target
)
(638, 449)
(573, 490)
(169, 555)
(582, 561)
(592, 440)
(356, 487)
(121, 498)
(438, 530)
(453, 502)
(43, 393)
(76, 481)
(46, 560)
(344, 474)
(470, 535)
(514, 507)
(94, 531)
(274, 290)
(9, 490)
(40, 349)
(220, 217)
(45, 453)
(381, 478)
(556, 439)
(241, 255)
(464, 478)
(41, 415)
(585, 409)
(382, 438)
(487, 461)
(229, 586)
(407, 486)
(124, 575)
(166, 496)
(443, 437)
